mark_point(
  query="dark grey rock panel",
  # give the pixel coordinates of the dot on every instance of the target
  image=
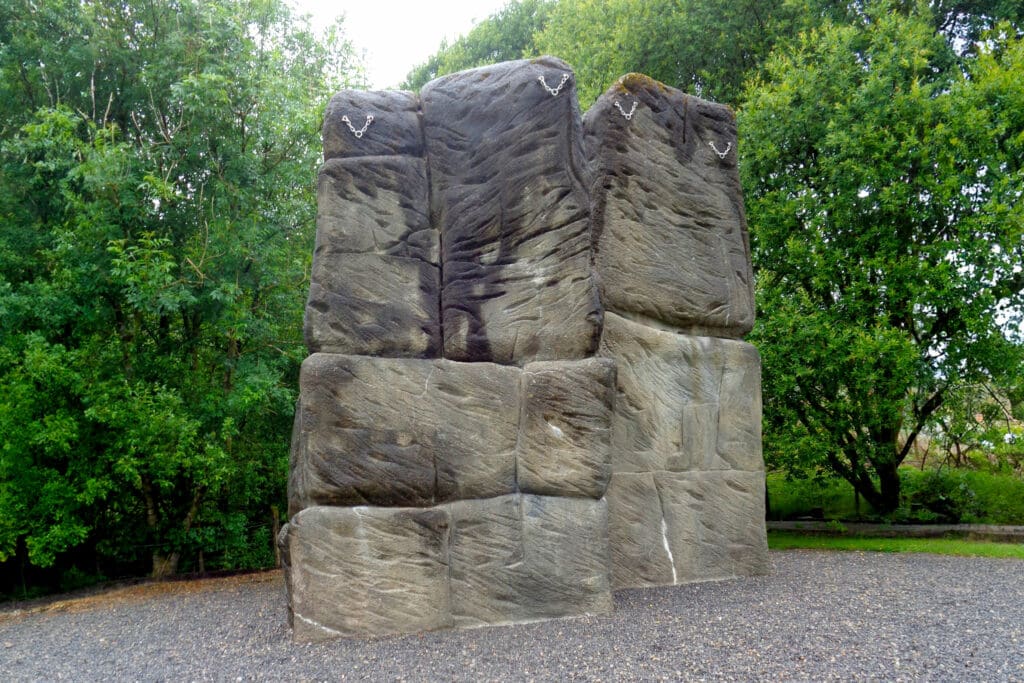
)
(402, 432)
(375, 205)
(375, 282)
(373, 305)
(509, 195)
(670, 231)
(395, 128)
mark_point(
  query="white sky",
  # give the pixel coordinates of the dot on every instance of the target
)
(396, 35)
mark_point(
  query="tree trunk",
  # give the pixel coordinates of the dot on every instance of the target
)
(889, 487)
(164, 566)
(276, 530)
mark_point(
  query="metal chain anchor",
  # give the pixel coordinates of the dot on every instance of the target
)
(554, 91)
(721, 155)
(358, 133)
(626, 115)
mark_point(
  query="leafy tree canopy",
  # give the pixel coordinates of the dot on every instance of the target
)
(883, 183)
(157, 162)
(506, 35)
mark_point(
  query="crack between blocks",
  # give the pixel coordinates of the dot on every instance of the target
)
(664, 534)
(518, 448)
(432, 220)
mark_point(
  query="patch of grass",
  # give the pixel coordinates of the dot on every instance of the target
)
(782, 540)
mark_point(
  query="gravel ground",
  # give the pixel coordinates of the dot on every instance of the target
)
(819, 616)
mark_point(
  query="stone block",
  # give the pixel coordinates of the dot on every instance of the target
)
(523, 558)
(366, 571)
(565, 427)
(375, 205)
(510, 199)
(637, 542)
(373, 305)
(403, 432)
(676, 527)
(375, 285)
(714, 523)
(395, 128)
(683, 403)
(670, 232)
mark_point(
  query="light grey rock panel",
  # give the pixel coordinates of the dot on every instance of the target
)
(395, 128)
(669, 226)
(367, 571)
(510, 199)
(486, 558)
(676, 527)
(566, 555)
(637, 534)
(403, 432)
(375, 205)
(524, 558)
(565, 429)
(714, 523)
(683, 403)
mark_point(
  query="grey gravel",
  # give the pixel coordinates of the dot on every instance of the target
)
(818, 616)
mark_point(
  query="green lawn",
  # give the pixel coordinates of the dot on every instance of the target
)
(781, 540)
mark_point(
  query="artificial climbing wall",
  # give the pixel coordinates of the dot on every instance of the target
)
(460, 415)
(686, 498)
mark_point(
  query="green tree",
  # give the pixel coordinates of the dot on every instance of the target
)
(157, 163)
(882, 178)
(506, 35)
(704, 47)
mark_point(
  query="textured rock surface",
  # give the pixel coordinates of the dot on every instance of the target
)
(403, 432)
(511, 203)
(375, 282)
(375, 205)
(683, 403)
(519, 477)
(372, 571)
(638, 551)
(676, 527)
(715, 523)
(367, 571)
(395, 128)
(412, 432)
(686, 497)
(523, 558)
(565, 427)
(669, 227)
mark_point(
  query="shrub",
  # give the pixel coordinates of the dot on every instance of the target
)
(942, 496)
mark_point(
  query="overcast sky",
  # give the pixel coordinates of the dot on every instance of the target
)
(399, 34)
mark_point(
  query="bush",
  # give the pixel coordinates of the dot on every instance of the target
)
(1000, 497)
(814, 497)
(936, 496)
(928, 497)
